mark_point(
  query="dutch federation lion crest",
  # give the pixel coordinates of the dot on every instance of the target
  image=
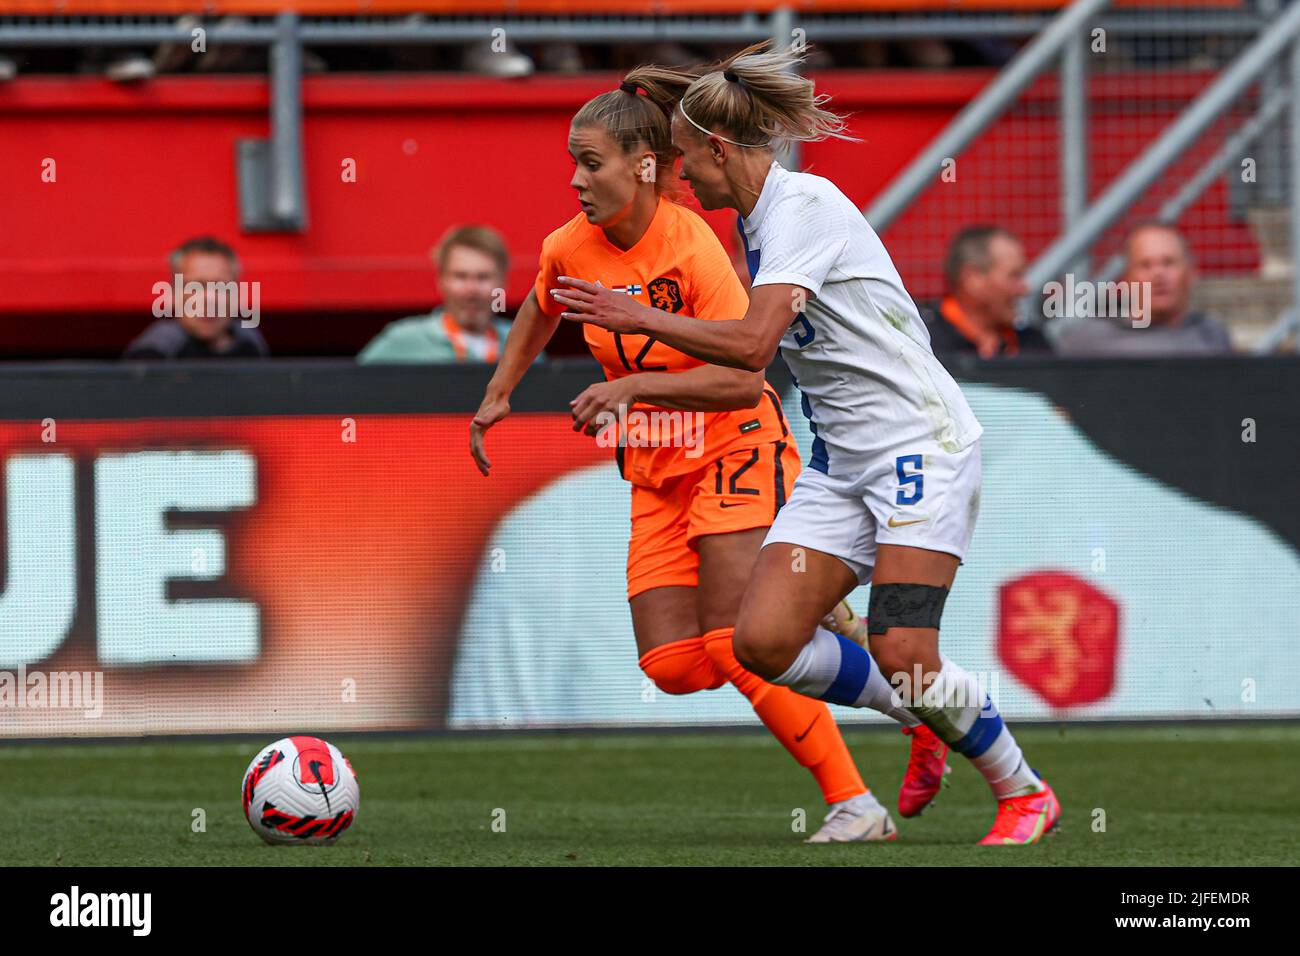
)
(666, 294)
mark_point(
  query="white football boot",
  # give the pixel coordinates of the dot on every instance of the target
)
(859, 818)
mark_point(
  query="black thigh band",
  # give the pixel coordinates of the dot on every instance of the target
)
(904, 605)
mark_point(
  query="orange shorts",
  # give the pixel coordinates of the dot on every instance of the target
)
(738, 492)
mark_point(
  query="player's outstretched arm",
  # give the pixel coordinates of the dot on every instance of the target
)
(749, 342)
(529, 333)
(707, 388)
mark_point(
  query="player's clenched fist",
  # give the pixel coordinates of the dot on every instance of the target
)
(489, 413)
(588, 407)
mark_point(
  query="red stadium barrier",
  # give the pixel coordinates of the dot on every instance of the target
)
(140, 168)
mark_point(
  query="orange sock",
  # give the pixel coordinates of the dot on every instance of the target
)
(681, 667)
(804, 726)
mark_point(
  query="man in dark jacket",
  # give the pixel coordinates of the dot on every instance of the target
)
(984, 281)
(216, 318)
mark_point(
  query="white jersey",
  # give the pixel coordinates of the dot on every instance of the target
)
(859, 351)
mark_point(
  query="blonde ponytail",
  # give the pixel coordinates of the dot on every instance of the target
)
(757, 97)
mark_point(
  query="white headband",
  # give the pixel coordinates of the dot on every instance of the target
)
(682, 106)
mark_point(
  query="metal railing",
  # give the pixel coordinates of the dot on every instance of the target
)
(1274, 32)
(1271, 44)
(982, 111)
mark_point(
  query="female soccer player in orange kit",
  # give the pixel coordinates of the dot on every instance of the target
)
(701, 503)
(892, 491)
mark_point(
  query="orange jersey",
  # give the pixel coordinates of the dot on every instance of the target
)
(678, 266)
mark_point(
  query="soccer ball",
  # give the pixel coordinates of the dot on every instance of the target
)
(300, 790)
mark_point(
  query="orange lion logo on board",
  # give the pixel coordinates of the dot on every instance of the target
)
(1059, 635)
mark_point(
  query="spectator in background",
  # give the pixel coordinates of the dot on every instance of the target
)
(215, 329)
(984, 281)
(1157, 253)
(472, 266)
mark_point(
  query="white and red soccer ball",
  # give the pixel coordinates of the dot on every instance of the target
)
(300, 790)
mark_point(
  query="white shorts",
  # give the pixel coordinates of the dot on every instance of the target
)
(928, 499)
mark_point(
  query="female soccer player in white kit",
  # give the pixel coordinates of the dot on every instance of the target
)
(891, 492)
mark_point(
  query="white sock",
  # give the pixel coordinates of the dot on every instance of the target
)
(836, 670)
(964, 717)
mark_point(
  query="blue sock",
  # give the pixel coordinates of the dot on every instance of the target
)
(834, 669)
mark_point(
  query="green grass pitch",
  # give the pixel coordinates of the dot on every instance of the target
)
(1186, 795)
